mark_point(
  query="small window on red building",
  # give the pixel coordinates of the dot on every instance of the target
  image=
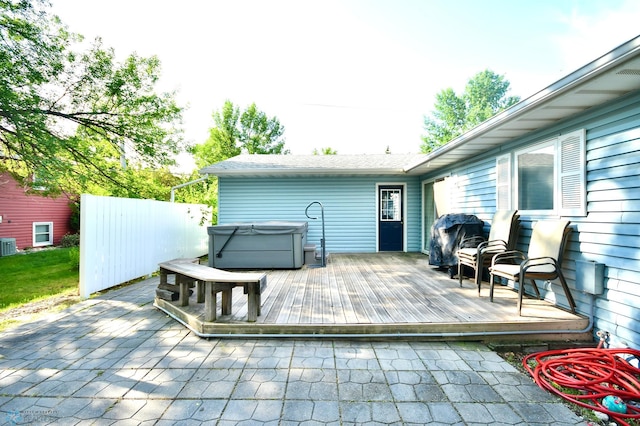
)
(42, 234)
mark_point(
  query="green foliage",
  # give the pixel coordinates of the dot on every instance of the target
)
(74, 220)
(204, 192)
(74, 257)
(146, 183)
(250, 132)
(484, 96)
(325, 151)
(234, 132)
(260, 134)
(223, 137)
(37, 275)
(70, 240)
(70, 118)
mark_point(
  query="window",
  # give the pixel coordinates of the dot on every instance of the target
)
(42, 234)
(390, 205)
(38, 183)
(535, 177)
(548, 177)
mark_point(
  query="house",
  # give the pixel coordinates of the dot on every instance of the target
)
(351, 188)
(31, 219)
(572, 150)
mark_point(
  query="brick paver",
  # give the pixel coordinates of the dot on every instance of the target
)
(115, 359)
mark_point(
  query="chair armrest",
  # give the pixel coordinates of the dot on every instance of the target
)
(492, 245)
(510, 257)
(472, 241)
(539, 261)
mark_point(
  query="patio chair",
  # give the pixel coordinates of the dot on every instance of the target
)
(542, 262)
(476, 252)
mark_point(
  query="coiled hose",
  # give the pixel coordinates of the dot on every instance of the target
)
(587, 375)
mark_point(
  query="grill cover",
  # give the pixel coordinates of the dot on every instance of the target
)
(447, 232)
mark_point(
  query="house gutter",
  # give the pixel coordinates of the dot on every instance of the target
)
(592, 69)
(299, 171)
(173, 189)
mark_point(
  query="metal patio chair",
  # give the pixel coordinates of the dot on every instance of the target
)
(542, 261)
(476, 252)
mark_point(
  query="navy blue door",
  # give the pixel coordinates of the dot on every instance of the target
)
(390, 219)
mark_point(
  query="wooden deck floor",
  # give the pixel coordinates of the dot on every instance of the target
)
(383, 295)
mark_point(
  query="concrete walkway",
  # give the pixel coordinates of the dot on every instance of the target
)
(115, 359)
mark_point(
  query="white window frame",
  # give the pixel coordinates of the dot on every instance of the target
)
(396, 206)
(549, 143)
(40, 186)
(49, 242)
(570, 186)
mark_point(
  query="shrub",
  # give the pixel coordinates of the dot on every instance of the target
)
(74, 220)
(70, 240)
(74, 257)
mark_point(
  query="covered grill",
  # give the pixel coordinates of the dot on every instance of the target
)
(446, 233)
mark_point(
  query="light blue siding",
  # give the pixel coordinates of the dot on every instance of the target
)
(349, 206)
(476, 189)
(609, 234)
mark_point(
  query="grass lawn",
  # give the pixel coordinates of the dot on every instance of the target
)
(36, 276)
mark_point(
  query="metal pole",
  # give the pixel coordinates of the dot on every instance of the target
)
(205, 177)
(322, 242)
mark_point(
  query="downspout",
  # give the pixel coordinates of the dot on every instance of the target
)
(205, 177)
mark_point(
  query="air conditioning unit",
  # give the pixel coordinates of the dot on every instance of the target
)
(7, 246)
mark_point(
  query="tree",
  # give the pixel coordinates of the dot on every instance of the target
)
(250, 132)
(260, 134)
(325, 151)
(484, 96)
(203, 192)
(141, 182)
(71, 118)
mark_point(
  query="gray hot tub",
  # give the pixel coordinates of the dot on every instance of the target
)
(257, 245)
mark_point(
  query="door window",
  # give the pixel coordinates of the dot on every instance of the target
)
(390, 205)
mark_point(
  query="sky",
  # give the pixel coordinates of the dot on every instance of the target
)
(356, 76)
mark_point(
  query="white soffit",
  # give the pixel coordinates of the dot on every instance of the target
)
(609, 77)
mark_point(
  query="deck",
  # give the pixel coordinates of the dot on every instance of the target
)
(383, 295)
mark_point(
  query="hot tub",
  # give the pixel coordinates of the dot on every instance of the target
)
(257, 245)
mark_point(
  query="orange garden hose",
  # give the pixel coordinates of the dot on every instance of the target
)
(585, 376)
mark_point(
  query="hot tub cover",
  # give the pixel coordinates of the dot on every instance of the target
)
(272, 227)
(257, 245)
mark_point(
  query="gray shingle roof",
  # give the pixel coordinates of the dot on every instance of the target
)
(283, 165)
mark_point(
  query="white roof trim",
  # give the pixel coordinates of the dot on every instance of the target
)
(297, 165)
(566, 88)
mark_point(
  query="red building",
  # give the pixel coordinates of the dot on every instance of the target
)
(32, 219)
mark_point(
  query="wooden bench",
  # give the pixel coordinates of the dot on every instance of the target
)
(215, 281)
(171, 292)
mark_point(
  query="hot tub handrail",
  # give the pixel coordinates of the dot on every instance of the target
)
(219, 253)
(322, 242)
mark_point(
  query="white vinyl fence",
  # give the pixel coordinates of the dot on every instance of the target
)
(122, 239)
